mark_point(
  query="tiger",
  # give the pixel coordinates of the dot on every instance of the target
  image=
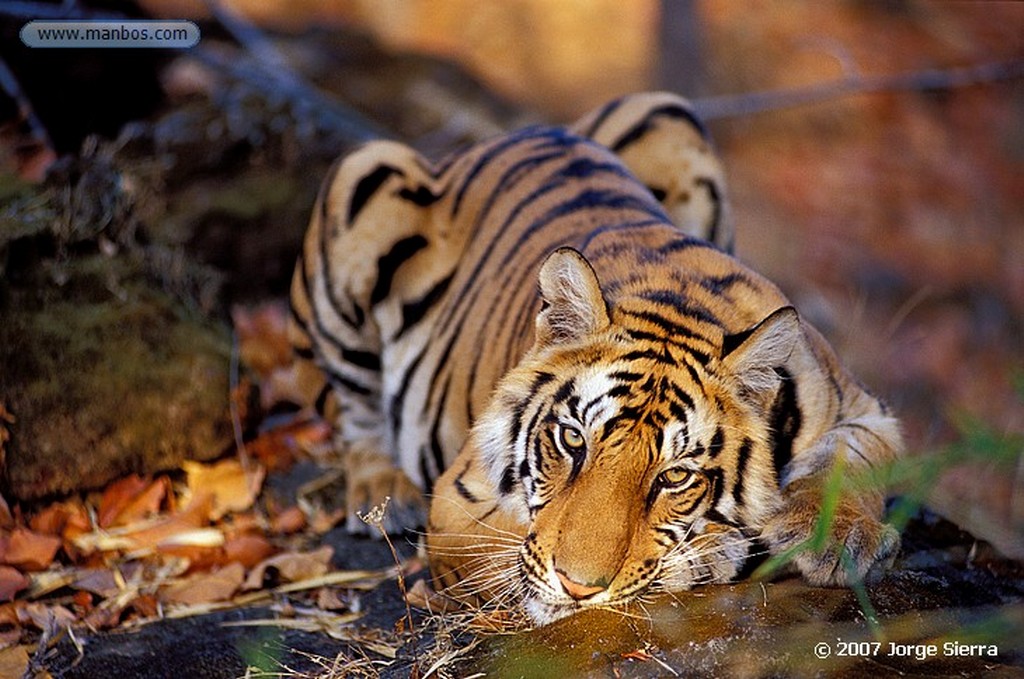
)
(546, 334)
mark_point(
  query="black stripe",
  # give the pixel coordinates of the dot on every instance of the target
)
(413, 312)
(602, 115)
(731, 343)
(305, 353)
(428, 482)
(714, 475)
(718, 285)
(627, 226)
(321, 399)
(367, 360)
(716, 200)
(398, 400)
(351, 385)
(648, 354)
(669, 111)
(584, 200)
(387, 265)
(461, 489)
(366, 187)
(436, 449)
(489, 155)
(684, 243)
(683, 306)
(717, 443)
(742, 456)
(564, 390)
(325, 189)
(785, 422)
(421, 196)
(508, 480)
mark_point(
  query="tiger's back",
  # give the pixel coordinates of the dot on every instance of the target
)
(435, 256)
(652, 396)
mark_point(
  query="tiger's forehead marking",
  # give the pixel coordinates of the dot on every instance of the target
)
(597, 403)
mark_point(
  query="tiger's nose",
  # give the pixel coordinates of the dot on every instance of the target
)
(579, 590)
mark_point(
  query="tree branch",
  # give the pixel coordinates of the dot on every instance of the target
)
(736, 105)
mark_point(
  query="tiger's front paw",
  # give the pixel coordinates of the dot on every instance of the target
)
(371, 479)
(858, 546)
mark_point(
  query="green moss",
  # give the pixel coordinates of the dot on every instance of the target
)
(107, 375)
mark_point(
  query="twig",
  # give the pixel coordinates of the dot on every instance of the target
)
(236, 420)
(375, 518)
(9, 84)
(735, 105)
(270, 63)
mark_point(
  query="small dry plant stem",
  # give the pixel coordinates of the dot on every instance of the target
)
(375, 518)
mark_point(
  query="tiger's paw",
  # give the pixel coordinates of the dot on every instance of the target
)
(373, 482)
(858, 545)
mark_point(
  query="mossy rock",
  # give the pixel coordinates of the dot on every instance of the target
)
(106, 375)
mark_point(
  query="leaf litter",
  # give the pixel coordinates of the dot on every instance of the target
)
(184, 543)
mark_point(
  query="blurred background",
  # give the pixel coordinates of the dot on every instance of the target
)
(879, 182)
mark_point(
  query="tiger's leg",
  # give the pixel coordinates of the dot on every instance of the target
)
(829, 444)
(832, 481)
(359, 232)
(660, 139)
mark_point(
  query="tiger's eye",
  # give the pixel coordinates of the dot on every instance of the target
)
(571, 438)
(676, 476)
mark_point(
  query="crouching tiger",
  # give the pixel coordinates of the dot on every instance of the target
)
(544, 334)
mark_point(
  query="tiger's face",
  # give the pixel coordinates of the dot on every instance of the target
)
(618, 477)
(615, 454)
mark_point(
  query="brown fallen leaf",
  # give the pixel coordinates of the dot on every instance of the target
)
(14, 661)
(247, 550)
(6, 519)
(145, 504)
(232, 488)
(289, 521)
(99, 581)
(262, 336)
(46, 616)
(219, 585)
(278, 448)
(150, 533)
(12, 581)
(291, 566)
(29, 550)
(117, 496)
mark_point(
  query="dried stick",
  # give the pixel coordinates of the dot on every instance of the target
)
(750, 103)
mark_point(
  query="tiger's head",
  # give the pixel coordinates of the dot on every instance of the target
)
(624, 455)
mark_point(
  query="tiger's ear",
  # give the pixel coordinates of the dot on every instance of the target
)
(572, 305)
(751, 357)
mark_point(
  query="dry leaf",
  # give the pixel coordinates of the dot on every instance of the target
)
(330, 599)
(149, 533)
(279, 447)
(292, 566)
(100, 581)
(231, 487)
(43, 616)
(12, 581)
(144, 504)
(29, 550)
(247, 550)
(219, 585)
(6, 520)
(263, 336)
(117, 496)
(14, 661)
(291, 520)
